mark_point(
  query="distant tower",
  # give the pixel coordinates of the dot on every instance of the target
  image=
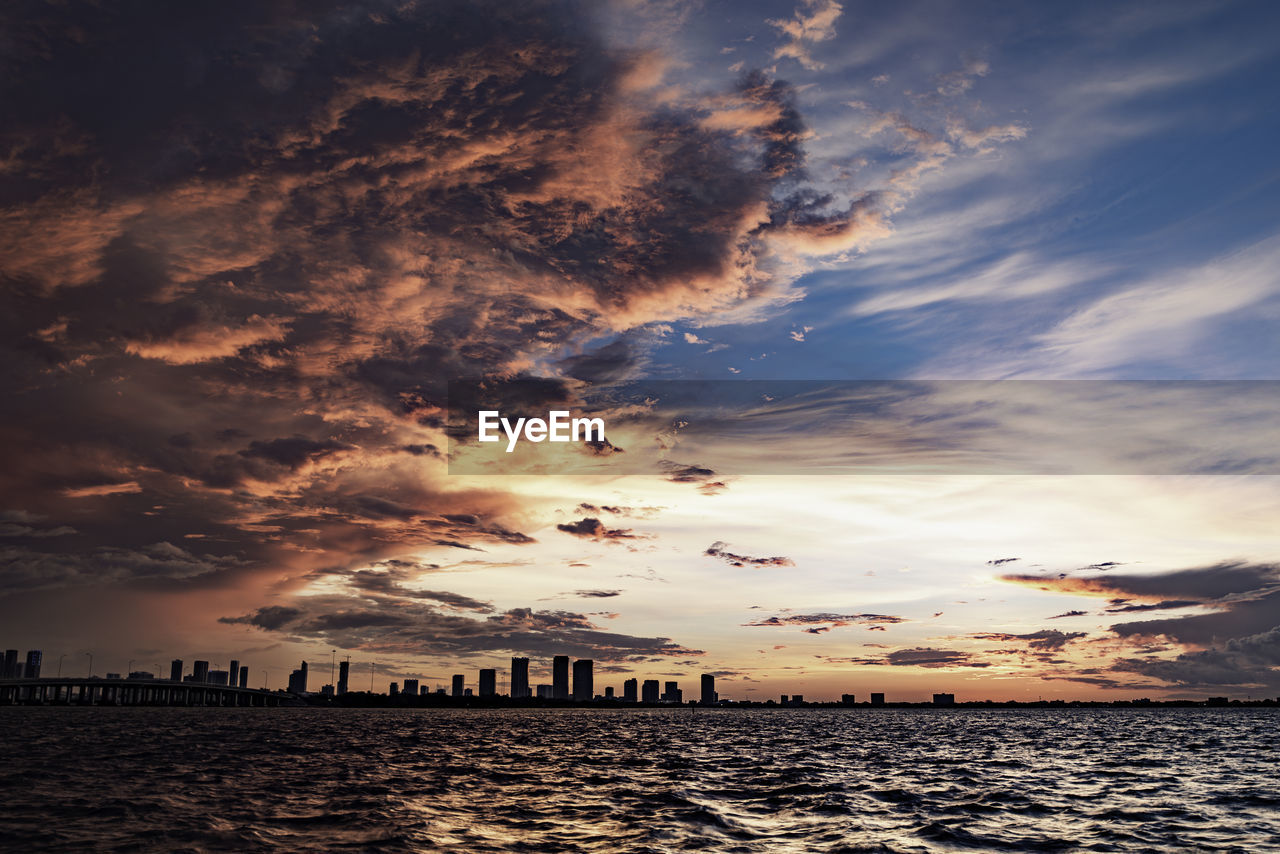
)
(32, 671)
(9, 670)
(519, 678)
(649, 691)
(233, 672)
(175, 670)
(410, 687)
(488, 682)
(560, 677)
(673, 694)
(583, 680)
(298, 680)
(708, 689)
(344, 673)
(244, 676)
(458, 681)
(629, 691)
(877, 699)
(608, 693)
(199, 671)
(944, 699)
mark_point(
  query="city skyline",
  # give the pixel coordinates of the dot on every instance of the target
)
(929, 270)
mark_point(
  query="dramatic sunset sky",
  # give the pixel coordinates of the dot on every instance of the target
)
(244, 249)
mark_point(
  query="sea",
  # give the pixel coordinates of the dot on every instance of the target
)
(641, 780)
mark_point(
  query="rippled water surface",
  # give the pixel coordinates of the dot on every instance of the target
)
(639, 780)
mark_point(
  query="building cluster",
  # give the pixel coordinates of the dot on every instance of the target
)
(235, 676)
(569, 681)
(12, 668)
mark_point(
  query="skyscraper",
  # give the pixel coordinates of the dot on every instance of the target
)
(32, 670)
(9, 670)
(629, 691)
(199, 671)
(233, 677)
(298, 680)
(877, 698)
(488, 682)
(458, 682)
(583, 680)
(244, 676)
(673, 694)
(344, 673)
(410, 687)
(708, 689)
(649, 691)
(560, 677)
(519, 678)
(175, 670)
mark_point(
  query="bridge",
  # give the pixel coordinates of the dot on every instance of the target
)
(134, 692)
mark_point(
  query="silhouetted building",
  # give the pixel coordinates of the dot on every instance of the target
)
(458, 681)
(9, 669)
(847, 699)
(298, 680)
(608, 693)
(175, 670)
(344, 676)
(560, 677)
(673, 694)
(629, 691)
(877, 699)
(326, 691)
(410, 687)
(797, 699)
(545, 692)
(219, 677)
(488, 683)
(141, 674)
(708, 689)
(583, 680)
(233, 673)
(32, 668)
(244, 676)
(944, 699)
(467, 692)
(519, 678)
(394, 689)
(649, 691)
(199, 671)
(424, 691)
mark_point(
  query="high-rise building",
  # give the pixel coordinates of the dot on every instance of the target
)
(234, 670)
(32, 670)
(608, 693)
(488, 682)
(583, 680)
(673, 694)
(410, 687)
(649, 691)
(175, 670)
(877, 699)
(519, 678)
(344, 675)
(219, 677)
(199, 671)
(545, 692)
(458, 681)
(394, 689)
(629, 691)
(9, 670)
(944, 699)
(708, 689)
(298, 680)
(244, 676)
(560, 677)
(848, 699)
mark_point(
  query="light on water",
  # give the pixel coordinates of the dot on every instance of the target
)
(640, 780)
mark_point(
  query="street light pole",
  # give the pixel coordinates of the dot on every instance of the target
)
(64, 655)
(90, 664)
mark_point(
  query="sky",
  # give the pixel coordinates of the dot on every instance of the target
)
(245, 249)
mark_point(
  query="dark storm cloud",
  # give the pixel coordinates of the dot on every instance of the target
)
(1202, 584)
(927, 657)
(717, 549)
(1069, 614)
(245, 246)
(1045, 639)
(419, 629)
(830, 620)
(1121, 606)
(594, 529)
(1001, 561)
